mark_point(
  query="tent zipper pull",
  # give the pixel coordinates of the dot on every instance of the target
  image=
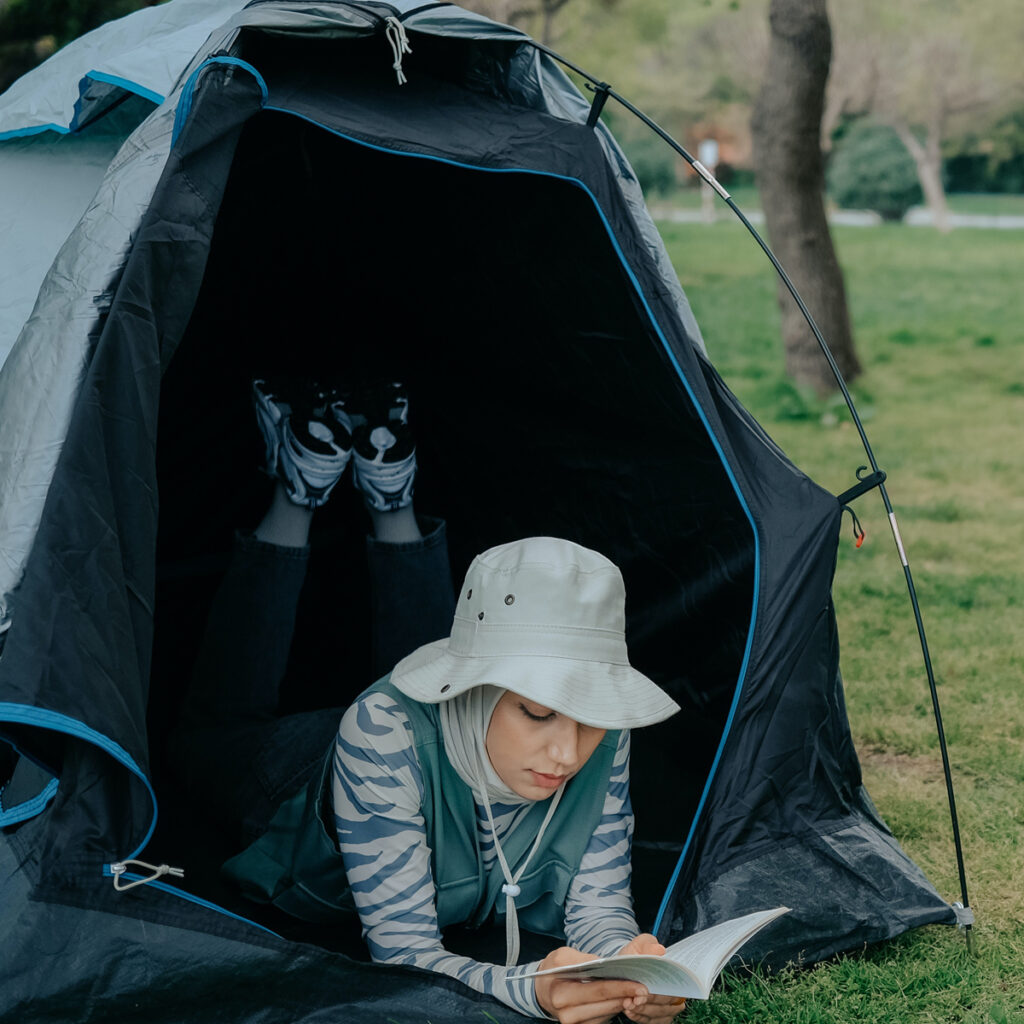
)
(119, 869)
(399, 41)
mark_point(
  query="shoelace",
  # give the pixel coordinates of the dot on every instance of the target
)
(395, 32)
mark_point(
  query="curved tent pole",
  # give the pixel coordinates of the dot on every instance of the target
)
(602, 91)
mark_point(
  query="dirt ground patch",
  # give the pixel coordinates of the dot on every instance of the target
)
(882, 762)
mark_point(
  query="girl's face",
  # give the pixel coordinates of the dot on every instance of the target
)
(534, 749)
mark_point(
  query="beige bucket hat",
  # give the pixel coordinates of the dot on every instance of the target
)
(546, 619)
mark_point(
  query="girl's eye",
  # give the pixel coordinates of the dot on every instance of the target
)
(536, 718)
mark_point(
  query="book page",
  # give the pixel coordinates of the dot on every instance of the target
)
(662, 977)
(707, 952)
(688, 968)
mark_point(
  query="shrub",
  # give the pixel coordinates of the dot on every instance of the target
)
(871, 169)
(653, 162)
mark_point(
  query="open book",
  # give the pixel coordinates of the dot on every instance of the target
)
(689, 967)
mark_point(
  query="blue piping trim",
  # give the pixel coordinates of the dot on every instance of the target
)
(26, 715)
(185, 101)
(35, 805)
(741, 679)
(721, 745)
(28, 808)
(21, 133)
(127, 84)
(97, 76)
(131, 876)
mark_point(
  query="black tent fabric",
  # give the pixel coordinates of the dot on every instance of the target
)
(312, 215)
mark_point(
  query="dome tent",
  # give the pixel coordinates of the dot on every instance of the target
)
(268, 198)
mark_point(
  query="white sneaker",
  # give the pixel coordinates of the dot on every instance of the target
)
(308, 437)
(384, 451)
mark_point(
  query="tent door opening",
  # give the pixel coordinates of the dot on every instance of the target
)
(542, 402)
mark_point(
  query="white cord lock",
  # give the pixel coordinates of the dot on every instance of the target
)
(156, 871)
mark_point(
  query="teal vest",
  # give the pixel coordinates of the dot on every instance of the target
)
(297, 867)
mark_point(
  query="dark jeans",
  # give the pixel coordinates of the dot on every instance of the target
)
(232, 750)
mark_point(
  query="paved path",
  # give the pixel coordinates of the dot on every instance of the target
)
(917, 217)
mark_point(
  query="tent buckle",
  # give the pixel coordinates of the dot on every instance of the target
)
(964, 915)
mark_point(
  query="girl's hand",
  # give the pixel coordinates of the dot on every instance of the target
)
(655, 1009)
(586, 1002)
(644, 943)
(596, 1002)
(650, 1009)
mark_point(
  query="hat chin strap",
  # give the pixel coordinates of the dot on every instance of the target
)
(511, 886)
(464, 722)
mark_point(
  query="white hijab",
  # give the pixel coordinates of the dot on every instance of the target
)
(464, 723)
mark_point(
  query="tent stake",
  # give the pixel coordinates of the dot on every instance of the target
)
(877, 476)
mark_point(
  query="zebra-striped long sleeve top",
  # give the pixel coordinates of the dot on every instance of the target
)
(377, 792)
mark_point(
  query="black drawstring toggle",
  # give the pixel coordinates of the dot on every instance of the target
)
(858, 531)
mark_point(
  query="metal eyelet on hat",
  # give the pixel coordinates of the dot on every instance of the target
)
(480, 616)
(469, 593)
(510, 599)
(446, 687)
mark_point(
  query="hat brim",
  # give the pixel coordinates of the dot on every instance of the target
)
(600, 694)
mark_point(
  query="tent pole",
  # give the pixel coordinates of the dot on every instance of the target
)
(602, 92)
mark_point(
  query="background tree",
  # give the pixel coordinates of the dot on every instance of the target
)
(786, 127)
(30, 30)
(534, 16)
(930, 69)
(869, 169)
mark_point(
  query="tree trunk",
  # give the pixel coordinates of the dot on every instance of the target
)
(786, 126)
(549, 8)
(928, 161)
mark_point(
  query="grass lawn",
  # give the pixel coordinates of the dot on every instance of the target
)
(986, 204)
(940, 328)
(746, 196)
